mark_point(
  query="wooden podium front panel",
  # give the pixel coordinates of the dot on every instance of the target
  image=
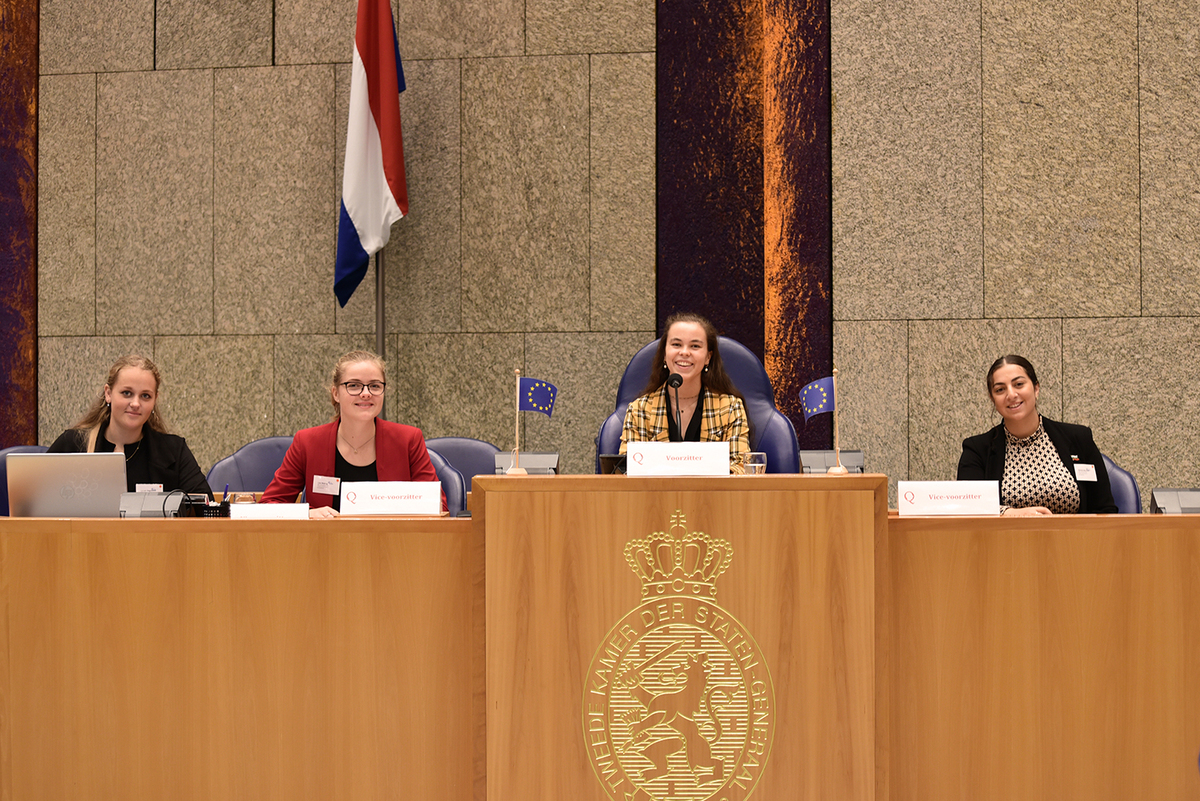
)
(1043, 658)
(197, 659)
(801, 582)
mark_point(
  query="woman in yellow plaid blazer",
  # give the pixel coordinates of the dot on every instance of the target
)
(710, 407)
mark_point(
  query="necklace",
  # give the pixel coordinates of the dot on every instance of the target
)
(135, 450)
(351, 447)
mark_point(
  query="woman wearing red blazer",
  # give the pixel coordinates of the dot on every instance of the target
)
(355, 446)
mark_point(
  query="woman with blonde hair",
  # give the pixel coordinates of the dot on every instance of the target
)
(125, 418)
(355, 446)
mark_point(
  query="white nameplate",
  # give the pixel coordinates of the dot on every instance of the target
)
(677, 459)
(948, 497)
(391, 498)
(268, 511)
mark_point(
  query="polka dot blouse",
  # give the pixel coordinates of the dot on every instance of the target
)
(1034, 475)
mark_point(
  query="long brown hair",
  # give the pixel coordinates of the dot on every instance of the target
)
(339, 369)
(715, 379)
(96, 418)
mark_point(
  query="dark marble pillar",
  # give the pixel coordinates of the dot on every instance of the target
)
(744, 216)
(18, 221)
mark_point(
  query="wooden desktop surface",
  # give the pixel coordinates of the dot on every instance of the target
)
(1039, 658)
(218, 659)
(800, 582)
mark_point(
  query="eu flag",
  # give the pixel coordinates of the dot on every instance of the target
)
(817, 397)
(537, 396)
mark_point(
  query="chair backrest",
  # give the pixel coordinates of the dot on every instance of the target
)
(4, 471)
(471, 457)
(453, 483)
(773, 433)
(251, 467)
(1124, 488)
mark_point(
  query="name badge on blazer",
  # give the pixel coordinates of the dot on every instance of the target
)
(1085, 472)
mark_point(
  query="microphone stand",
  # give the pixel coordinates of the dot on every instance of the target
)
(678, 415)
(675, 381)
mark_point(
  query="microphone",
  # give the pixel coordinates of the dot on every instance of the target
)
(675, 381)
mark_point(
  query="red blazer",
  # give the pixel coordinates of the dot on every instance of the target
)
(400, 455)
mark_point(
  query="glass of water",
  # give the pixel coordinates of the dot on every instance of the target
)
(756, 463)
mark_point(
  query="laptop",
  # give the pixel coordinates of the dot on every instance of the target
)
(65, 484)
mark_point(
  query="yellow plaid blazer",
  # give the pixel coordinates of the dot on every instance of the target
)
(723, 419)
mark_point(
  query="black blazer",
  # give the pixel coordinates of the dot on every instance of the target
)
(160, 459)
(983, 460)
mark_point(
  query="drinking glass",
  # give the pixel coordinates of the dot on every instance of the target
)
(756, 463)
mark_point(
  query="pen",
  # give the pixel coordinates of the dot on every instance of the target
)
(225, 494)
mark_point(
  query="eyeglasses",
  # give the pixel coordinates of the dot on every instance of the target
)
(356, 387)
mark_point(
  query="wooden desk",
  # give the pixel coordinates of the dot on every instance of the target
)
(913, 659)
(1039, 659)
(218, 659)
(800, 581)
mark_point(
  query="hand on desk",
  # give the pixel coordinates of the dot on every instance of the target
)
(1028, 511)
(322, 513)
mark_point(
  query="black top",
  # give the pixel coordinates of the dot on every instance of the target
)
(156, 458)
(345, 471)
(983, 460)
(693, 429)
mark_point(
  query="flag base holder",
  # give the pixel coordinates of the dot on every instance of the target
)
(516, 471)
(837, 470)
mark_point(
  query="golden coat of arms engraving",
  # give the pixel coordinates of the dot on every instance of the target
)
(679, 704)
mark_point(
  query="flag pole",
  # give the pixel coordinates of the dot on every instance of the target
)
(839, 470)
(380, 326)
(516, 469)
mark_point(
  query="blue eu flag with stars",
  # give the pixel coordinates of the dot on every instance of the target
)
(817, 397)
(537, 396)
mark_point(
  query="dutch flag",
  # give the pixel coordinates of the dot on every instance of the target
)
(374, 192)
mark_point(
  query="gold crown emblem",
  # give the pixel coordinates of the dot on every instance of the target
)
(678, 562)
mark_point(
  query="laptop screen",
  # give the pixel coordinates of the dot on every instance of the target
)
(65, 484)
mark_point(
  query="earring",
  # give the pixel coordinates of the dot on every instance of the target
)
(706, 368)
(665, 365)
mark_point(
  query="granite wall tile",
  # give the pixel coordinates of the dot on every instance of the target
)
(947, 398)
(525, 194)
(587, 390)
(622, 192)
(317, 31)
(1133, 381)
(423, 260)
(303, 374)
(96, 36)
(423, 30)
(907, 218)
(1060, 159)
(67, 205)
(455, 385)
(219, 391)
(192, 34)
(154, 202)
(275, 227)
(582, 26)
(1170, 156)
(71, 374)
(871, 359)
(461, 30)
